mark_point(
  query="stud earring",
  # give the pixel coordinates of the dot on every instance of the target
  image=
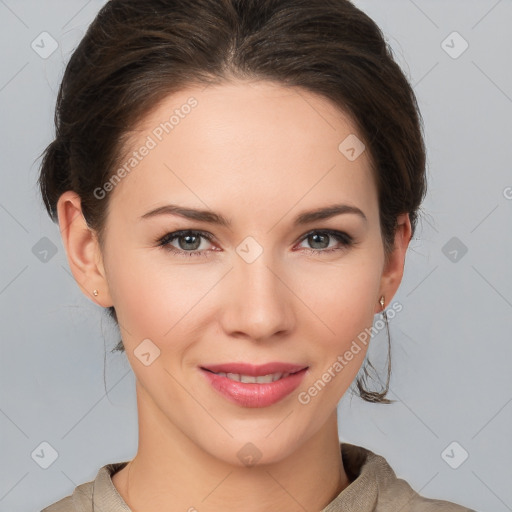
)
(95, 293)
(382, 302)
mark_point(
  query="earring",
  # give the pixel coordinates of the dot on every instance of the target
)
(376, 396)
(95, 293)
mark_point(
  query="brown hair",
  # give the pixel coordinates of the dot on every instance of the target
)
(137, 52)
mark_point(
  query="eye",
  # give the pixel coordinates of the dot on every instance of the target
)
(188, 241)
(320, 241)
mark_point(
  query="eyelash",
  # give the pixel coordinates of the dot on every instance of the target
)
(164, 242)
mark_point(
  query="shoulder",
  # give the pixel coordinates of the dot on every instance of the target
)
(387, 492)
(75, 502)
(398, 493)
(89, 495)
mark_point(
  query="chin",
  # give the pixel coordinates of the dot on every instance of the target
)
(246, 451)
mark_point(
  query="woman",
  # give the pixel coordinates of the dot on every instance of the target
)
(238, 182)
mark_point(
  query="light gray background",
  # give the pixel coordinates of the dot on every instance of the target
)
(451, 342)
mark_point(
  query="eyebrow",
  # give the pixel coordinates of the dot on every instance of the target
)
(215, 218)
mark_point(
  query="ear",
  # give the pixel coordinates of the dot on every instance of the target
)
(82, 249)
(394, 267)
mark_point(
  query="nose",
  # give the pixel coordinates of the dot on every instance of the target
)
(258, 303)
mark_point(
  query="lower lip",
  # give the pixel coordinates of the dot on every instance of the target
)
(255, 395)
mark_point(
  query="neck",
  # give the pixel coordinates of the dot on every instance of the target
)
(170, 472)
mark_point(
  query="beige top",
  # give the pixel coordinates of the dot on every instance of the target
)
(373, 487)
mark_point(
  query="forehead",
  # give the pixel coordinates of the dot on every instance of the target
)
(255, 142)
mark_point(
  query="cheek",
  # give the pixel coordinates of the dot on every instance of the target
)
(156, 299)
(142, 297)
(343, 303)
(341, 295)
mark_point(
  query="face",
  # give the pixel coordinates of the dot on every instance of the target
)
(191, 292)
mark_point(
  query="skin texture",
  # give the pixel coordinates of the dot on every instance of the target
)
(259, 154)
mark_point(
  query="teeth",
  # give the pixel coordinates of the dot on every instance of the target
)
(249, 379)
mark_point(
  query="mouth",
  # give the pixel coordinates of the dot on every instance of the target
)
(251, 370)
(251, 379)
(254, 386)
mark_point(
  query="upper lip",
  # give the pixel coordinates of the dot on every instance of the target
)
(254, 370)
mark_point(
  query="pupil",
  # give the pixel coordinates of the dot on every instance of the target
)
(316, 236)
(188, 238)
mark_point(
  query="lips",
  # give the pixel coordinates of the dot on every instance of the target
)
(254, 370)
(254, 385)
